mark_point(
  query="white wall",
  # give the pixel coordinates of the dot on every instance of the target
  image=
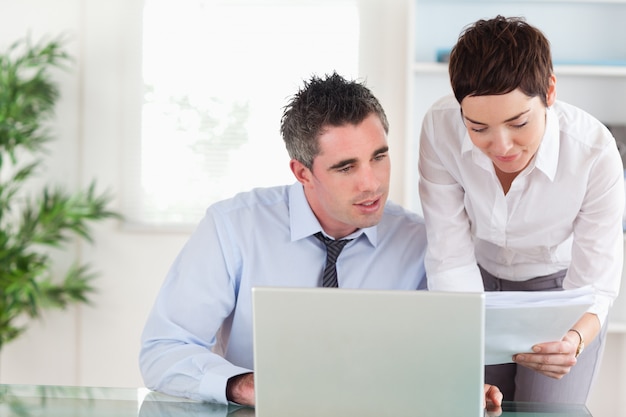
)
(98, 345)
(48, 353)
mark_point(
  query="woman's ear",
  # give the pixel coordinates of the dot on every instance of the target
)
(551, 96)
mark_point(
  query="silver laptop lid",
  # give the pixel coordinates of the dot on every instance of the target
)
(339, 352)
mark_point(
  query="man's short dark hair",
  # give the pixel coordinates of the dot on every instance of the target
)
(324, 102)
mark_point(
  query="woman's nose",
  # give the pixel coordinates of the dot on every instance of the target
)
(501, 143)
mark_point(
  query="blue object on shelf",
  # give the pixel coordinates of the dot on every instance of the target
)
(443, 55)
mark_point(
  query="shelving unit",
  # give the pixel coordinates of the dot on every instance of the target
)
(586, 31)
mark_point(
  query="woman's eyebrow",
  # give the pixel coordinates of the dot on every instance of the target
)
(510, 119)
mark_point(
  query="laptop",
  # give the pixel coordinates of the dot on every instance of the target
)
(342, 352)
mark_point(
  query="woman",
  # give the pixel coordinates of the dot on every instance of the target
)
(522, 192)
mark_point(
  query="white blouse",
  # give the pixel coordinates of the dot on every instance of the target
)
(564, 210)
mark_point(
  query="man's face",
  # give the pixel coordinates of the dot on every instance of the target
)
(508, 128)
(348, 185)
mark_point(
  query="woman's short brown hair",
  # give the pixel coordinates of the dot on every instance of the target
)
(497, 56)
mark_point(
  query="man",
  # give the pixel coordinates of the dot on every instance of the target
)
(197, 342)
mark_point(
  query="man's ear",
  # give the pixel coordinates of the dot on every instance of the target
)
(302, 173)
(551, 96)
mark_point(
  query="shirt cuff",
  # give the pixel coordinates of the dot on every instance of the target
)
(213, 384)
(601, 307)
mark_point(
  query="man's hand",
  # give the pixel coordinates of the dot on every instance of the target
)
(552, 359)
(240, 389)
(493, 400)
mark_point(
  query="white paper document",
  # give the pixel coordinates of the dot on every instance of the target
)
(517, 320)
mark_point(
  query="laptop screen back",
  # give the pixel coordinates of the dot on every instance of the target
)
(340, 352)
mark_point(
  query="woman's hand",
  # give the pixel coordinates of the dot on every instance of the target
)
(555, 359)
(552, 359)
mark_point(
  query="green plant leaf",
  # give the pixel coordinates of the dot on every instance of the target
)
(31, 221)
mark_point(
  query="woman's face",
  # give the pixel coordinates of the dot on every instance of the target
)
(508, 128)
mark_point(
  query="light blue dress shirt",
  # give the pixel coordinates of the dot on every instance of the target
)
(259, 238)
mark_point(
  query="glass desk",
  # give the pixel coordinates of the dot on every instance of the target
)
(59, 401)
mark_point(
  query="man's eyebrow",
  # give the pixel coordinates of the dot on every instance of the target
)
(349, 161)
(510, 119)
(342, 163)
(382, 149)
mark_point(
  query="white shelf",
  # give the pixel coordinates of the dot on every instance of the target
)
(534, 1)
(430, 67)
(591, 70)
(579, 70)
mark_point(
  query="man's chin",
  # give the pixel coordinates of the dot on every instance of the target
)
(369, 221)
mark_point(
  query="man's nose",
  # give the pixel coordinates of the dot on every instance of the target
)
(369, 179)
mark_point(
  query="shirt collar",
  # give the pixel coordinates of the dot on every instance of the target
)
(547, 158)
(303, 222)
(467, 144)
(478, 157)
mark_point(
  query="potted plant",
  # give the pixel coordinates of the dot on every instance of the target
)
(34, 222)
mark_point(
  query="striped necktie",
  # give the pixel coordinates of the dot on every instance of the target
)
(333, 249)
